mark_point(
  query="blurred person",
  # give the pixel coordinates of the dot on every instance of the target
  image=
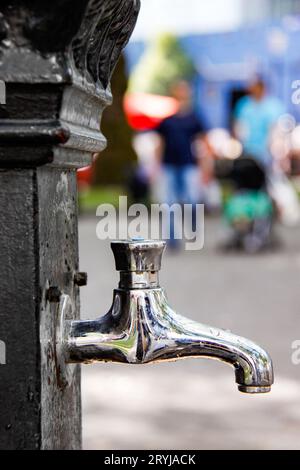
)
(140, 173)
(145, 145)
(177, 154)
(255, 117)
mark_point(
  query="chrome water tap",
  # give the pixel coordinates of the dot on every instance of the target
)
(142, 328)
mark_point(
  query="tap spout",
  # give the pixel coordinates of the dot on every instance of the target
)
(141, 328)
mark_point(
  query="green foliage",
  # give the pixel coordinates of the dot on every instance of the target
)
(163, 63)
(93, 197)
(116, 160)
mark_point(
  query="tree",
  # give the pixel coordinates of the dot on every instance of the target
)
(163, 63)
(114, 163)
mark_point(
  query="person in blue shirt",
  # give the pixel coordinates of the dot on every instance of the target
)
(178, 154)
(255, 117)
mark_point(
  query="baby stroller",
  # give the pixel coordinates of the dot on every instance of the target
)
(249, 209)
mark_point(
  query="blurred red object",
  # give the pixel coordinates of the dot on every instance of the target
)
(145, 111)
(84, 177)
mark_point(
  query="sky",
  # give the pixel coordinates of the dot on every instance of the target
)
(186, 16)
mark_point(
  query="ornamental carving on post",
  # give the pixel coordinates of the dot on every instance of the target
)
(56, 60)
(75, 44)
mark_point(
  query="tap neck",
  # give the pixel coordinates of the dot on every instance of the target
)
(139, 280)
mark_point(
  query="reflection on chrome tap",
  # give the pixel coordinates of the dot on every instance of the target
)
(141, 328)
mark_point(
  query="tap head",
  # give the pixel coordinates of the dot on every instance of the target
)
(138, 255)
(139, 262)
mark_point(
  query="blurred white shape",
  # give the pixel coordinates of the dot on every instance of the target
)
(181, 17)
(217, 138)
(286, 123)
(224, 145)
(295, 140)
(278, 41)
(286, 198)
(233, 149)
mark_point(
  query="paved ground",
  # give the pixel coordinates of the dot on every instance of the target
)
(194, 404)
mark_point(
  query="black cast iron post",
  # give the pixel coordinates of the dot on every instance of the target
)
(56, 60)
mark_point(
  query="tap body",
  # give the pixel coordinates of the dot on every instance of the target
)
(142, 328)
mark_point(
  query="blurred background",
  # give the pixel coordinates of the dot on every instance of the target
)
(206, 96)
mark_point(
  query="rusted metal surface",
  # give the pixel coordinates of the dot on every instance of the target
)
(56, 60)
